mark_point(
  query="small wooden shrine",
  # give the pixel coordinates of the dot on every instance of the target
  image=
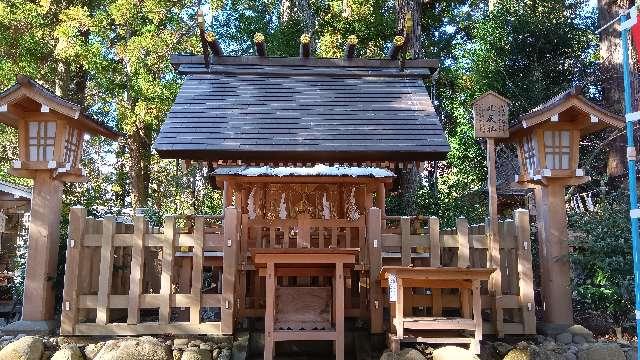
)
(51, 133)
(548, 144)
(304, 150)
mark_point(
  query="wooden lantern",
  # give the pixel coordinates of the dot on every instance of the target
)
(547, 140)
(51, 133)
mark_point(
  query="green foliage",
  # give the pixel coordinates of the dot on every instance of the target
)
(602, 262)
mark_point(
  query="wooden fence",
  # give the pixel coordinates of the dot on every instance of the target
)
(508, 306)
(194, 275)
(130, 279)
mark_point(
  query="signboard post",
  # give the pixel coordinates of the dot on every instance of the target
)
(491, 121)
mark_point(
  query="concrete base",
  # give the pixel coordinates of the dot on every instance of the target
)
(30, 328)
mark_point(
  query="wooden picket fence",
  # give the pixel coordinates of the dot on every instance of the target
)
(132, 279)
(508, 303)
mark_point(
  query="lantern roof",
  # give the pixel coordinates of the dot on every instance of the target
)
(28, 95)
(569, 107)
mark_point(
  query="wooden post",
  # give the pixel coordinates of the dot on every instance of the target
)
(462, 226)
(42, 256)
(196, 271)
(227, 194)
(554, 253)
(168, 250)
(106, 270)
(525, 279)
(495, 280)
(137, 269)
(69, 316)
(434, 239)
(374, 240)
(477, 317)
(399, 318)
(405, 230)
(231, 238)
(339, 291)
(269, 311)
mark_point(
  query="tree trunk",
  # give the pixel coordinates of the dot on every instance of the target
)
(139, 169)
(611, 75)
(413, 7)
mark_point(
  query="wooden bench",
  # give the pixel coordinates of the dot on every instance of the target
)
(433, 329)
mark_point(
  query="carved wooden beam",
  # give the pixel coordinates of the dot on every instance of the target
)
(350, 49)
(305, 46)
(261, 47)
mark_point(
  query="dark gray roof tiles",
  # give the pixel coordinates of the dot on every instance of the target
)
(300, 114)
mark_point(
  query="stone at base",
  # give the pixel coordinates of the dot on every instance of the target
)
(552, 329)
(30, 328)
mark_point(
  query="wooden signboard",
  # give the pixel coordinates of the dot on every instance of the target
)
(491, 116)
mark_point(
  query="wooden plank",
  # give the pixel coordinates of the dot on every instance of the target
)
(405, 228)
(477, 317)
(339, 306)
(438, 323)
(168, 249)
(196, 271)
(525, 272)
(462, 227)
(269, 312)
(69, 316)
(137, 270)
(106, 267)
(376, 297)
(434, 238)
(327, 335)
(230, 259)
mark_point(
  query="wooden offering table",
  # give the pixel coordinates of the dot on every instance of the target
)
(430, 329)
(304, 313)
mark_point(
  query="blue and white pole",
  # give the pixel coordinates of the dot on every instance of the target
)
(631, 118)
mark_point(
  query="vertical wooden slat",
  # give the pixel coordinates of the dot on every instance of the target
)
(303, 240)
(434, 238)
(399, 318)
(196, 271)
(168, 250)
(525, 281)
(269, 311)
(339, 291)
(462, 227)
(374, 239)
(106, 267)
(334, 236)
(69, 316)
(477, 317)
(229, 268)
(137, 270)
(405, 229)
(511, 258)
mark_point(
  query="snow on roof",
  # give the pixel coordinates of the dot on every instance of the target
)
(15, 190)
(317, 170)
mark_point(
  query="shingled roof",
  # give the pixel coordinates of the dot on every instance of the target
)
(290, 109)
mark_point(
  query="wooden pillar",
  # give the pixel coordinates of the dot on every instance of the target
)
(269, 312)
(434, 239)
(405, 244)
(477, 317)
(106, 270)
(399, 315)
(196, 271)
(376, 297)
(525, 278)
(230, 263)
(554, 253)
(339, 301)
(42, 256)
(227, 194)
(137, 270)
(168, 250)
(69, 316)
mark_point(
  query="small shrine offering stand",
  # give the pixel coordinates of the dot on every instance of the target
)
(436, 330)
(304, 312)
